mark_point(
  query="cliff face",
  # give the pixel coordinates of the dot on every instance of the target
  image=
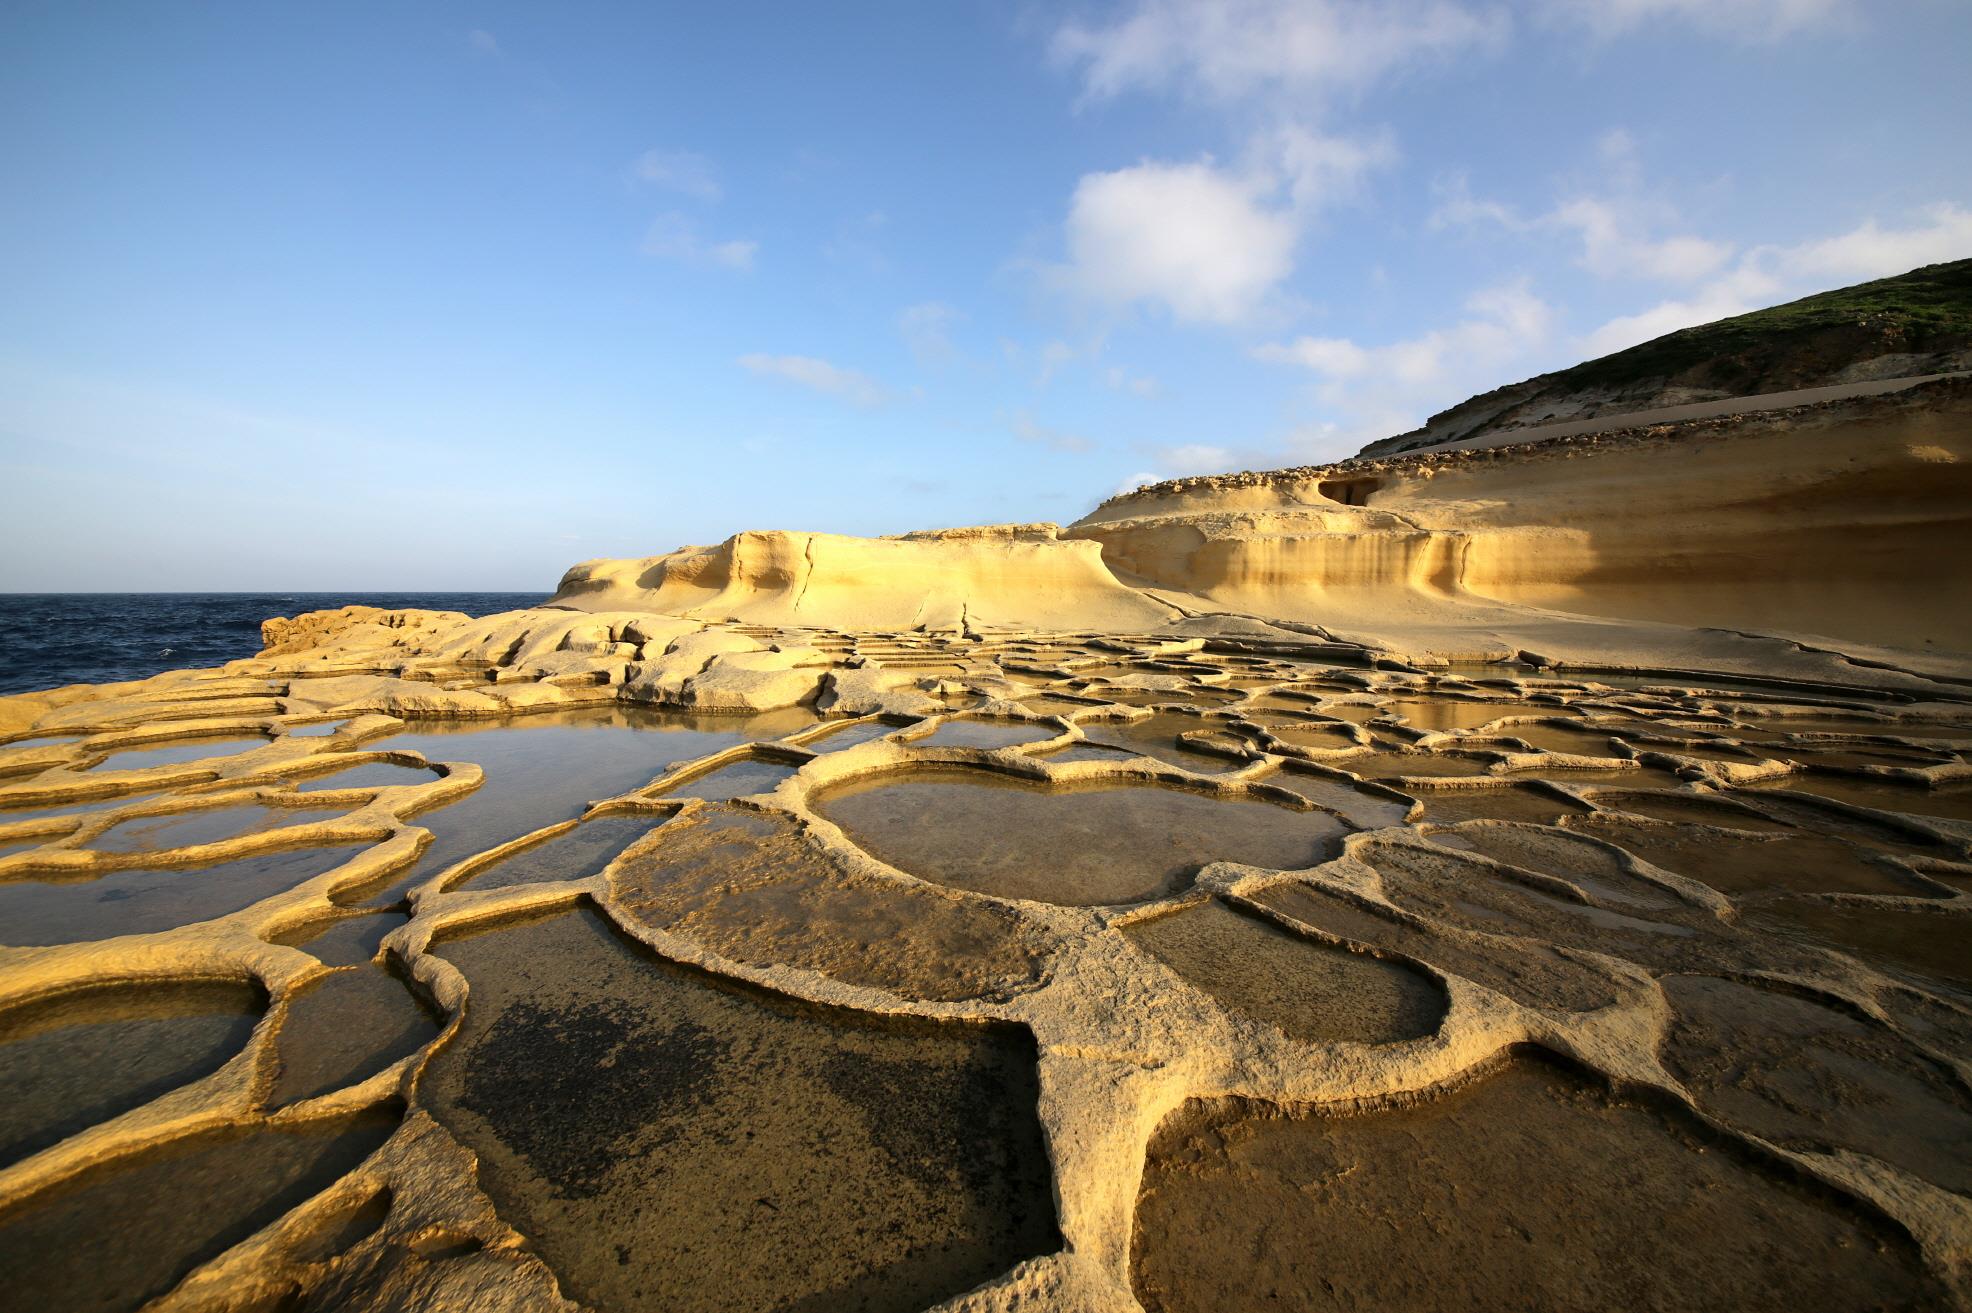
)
(1917, 323)
(1000, 577)
(1851, 519)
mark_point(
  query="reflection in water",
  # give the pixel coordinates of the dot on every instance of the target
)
(547, 768)
(185, 829)
(177, 753)
(143, 900)
(127, 1230)
(82, 1058)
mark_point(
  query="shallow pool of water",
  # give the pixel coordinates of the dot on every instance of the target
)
(175, 754)
(344, 1028)
(1308, 990)
(1085, 844)
(985, 734)
(207, 825)
(81, 1058)
(127, 1230)
(547, 768)
(572, 855)
(668, 1140)
(142, 900)
(1531, 1188)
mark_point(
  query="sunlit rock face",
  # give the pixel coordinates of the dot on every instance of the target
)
(1837, 519)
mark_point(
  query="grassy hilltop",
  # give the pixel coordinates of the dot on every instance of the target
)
(1914, 323)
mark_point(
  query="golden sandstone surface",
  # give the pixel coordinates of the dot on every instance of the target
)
(1534, 876)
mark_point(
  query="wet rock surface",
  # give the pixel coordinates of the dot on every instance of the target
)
(1529, 1188)
(748, 886)
(1309, 990)
(1219, 987)
(631, 1116)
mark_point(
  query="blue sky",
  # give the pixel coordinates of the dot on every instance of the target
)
(451, 296)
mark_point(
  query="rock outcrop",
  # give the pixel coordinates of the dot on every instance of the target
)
(1851, 519)
(1022, 576)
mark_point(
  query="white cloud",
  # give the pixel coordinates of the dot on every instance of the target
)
(1871, 251)
(1503, 323)
(1192, 238)
(1138, 480)
(1027, 430)
(1610, 249)
(1765, 275)
(480, 42)
(1205, 242)
(1377, 391)
(1613, 244)
(927, 331)
(1226, 49)
(673, 237)
(818, 374)
(679, 170)
(1760, 20)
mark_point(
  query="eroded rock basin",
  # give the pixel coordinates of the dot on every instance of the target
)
(668, 1140)
(80, 1058)
(1080, 845)
(1531, 1188)
(752, 887)
(125, 1231)
(1308, 990)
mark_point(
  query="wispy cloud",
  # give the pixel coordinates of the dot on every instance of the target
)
(681, 171)
(1118, 379)
(858, 242)
(674, 237)
(820, 375)
(481, 42)
(1750, 20)
(1613, 232)
(1230, 49)
(1027, 430)
(927, 331)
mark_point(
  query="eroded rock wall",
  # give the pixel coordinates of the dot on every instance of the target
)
(1852, 520)
(1003, 576)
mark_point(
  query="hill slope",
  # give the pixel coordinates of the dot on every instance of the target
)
(1915, 323)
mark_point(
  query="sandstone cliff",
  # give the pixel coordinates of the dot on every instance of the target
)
(998, 577)
(1849, 519)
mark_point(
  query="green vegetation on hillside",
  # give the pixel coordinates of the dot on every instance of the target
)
(1928, 309)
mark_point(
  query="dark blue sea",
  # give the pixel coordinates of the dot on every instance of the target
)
(49, 639)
